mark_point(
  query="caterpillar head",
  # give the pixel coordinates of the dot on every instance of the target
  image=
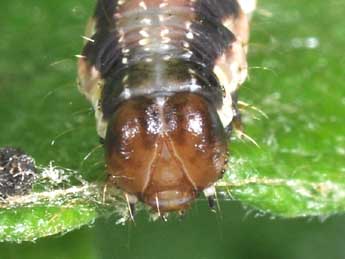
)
(165, 149)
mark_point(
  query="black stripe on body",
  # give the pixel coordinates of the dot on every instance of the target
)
(217, 10)
(104, 14)
(103, 52)
(215, 38)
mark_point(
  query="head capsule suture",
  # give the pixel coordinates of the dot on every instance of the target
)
(165, 149)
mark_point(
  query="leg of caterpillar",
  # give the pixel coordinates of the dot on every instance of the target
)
(210, 194)
(236, 123)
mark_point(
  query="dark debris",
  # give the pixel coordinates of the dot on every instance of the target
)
(17, 172)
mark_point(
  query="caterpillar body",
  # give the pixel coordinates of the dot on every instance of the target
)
(162, 77)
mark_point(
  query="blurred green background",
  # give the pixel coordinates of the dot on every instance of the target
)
(42, 112)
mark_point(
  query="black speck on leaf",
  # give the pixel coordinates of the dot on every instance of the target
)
(17, 172)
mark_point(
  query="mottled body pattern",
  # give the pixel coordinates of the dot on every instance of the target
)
(162, 76)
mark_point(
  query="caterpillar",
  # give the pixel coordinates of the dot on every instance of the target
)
(162, 77)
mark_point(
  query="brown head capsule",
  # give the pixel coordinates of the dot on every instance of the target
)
(165, 149)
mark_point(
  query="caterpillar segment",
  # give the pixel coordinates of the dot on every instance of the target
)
(161, 76)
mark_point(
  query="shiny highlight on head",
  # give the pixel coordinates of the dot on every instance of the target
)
(165, 149)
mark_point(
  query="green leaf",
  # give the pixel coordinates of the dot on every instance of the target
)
(28, 224)
(57, 204)
(298, 81)
(296, 78)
